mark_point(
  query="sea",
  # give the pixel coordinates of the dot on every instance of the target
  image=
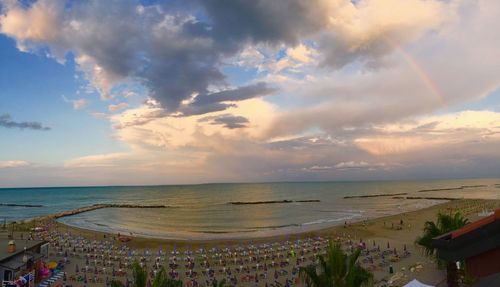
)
(206, 211)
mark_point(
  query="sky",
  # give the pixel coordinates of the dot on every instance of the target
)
(194, 91)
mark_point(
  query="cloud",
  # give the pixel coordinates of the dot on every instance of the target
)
(435, 132)
(99, 160)
(13, 163)
(77, 104)
(318, 168)
(440, 71)
(227, 121)
(172, 54)
(80, 104)
(346, 166)
(148, 127)
(129, 94)
(117, 107)
(352, 164)
(368, 30)
(6, 122)
(358, 87)
(98, 115)
(218, 101)
(176, 51)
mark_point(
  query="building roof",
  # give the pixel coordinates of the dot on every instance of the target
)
(476, 224)
(16, 262)
(473, 239)
(20, 244)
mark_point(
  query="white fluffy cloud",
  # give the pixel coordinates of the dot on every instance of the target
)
(145, 127)
(100, 160)
(77, 104)
(117, 107)
(435, 132)
(441, 70)
(13, 163)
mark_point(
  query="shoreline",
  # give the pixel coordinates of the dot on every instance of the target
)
(314, 231)
(359, 229)
(385, 230)
(293, 229)
(193, 236)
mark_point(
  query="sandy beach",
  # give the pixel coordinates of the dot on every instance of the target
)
(387, 242)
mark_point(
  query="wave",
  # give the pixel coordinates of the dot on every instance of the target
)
(330, 220)
(453, 188)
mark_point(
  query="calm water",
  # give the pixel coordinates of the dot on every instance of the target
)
(203, 211)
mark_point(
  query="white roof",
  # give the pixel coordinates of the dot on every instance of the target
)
(416, 283)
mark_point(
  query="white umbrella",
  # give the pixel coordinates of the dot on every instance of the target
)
(416, 283)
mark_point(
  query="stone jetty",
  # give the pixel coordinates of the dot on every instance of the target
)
(427, 197)
(20, 205)
(374, 195)
(271, 202)
(99, 206)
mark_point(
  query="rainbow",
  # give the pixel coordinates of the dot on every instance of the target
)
(420, 71)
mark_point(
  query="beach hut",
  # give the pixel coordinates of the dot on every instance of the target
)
(477, 243)
(20, 261)
(416, 283)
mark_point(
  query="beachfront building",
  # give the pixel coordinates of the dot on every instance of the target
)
(477, 244)
(21, 260)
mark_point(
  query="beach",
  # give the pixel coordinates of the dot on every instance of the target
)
(386, 241)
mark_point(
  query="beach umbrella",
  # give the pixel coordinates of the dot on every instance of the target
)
(388, 246)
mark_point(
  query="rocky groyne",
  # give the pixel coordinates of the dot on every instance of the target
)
(271, 201)
(98, 206)
(427, 197)
(20, 205)
(374, 195)
(453, 188)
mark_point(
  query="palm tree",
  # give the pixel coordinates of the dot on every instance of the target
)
(445, 223)
(162, 280)
(336, 269)
(221, 283)
(141, 276)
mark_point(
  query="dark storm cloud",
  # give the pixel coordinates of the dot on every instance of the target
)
(177, 49)
(206, 103)
(277, 21)
(6, 122)
(172, 53)
(228, 121)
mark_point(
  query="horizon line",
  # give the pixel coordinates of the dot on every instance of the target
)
(242, 182)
